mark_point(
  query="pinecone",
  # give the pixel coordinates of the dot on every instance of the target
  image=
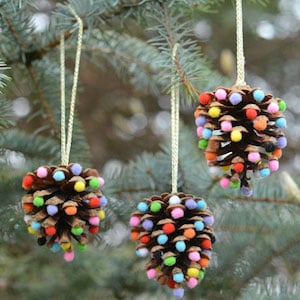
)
(240, 129)
(61, 202)
(176, 231)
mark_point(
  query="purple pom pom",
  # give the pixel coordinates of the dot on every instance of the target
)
(76, 169)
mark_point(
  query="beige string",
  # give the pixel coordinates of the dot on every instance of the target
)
(66, 146)
(62, 101)
(174, 124)
(240, 58)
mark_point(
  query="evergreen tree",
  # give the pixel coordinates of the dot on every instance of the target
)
(256, 255)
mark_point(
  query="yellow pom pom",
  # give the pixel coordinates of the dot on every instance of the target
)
(66, 246)
(193, 272)
(236, 135)
(79, 186)
(31, 230)
(101, 214)
(214, 112)
(225, 168)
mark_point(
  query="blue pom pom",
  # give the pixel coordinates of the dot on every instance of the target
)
(178, 293)
(59, 175)
(190, 204)
(147, 225)
(246, 191)
(199, 225)
(264, 172)
(142, 206)
(162, 239)
(180, 246)
(280, 122)
(201, 204)
(206, 133)
(178, 277)
(235, 98)
(142, 252)
(258, 95)
(55, 247)
(200, 121)
(35, 225)
(76, 169)
(103, 201)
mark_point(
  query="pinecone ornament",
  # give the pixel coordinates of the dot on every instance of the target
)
(63, 203)
(240, 129)
(176, 231)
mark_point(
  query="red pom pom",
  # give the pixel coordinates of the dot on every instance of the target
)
(27, 182)
(51, 230)
(28, 207)
(168, 228)
(145, 239)
(93, 229)
(251, 113)
(205, 244)
(238, 167)
(94, 202)
(171, 284)
(204, 98)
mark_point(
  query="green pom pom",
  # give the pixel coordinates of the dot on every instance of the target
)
(282, 105)
(201, 274)
(81, 247)
(155, 206)
(235, 184)
(94, 183)
(170, 261)
(77, 230)
(203, 144)
(38, 201)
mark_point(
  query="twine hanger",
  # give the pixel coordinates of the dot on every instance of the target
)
(174, 123)
(66, 141)
(240, 58)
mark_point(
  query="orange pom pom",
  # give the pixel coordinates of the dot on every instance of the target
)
(189, 233)
(277, 152)
(210, 156)
(134, 235)
(204, 262)
(260, 123)
(71, 210)
(28, 207)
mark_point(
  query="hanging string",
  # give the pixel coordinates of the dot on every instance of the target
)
(240, 58)
(67, 142)
(62, 101)
(174, 124)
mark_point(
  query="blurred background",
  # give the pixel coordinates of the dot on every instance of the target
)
(121, 121)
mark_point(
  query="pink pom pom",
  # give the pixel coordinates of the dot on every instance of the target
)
(101, 181)
(199, 130)
(220, 94)
(41, 172)
(94, 220)
(273, 108)
(274, 165)
(177, 213)
(134, 221)
(192, 282)
(194, 256)
(69, 256)
(225, 182)
(226, 126)
(151, 273)
(253, 157)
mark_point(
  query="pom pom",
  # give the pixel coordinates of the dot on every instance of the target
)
(71, 210)
(28, 181)
(193, 272)
(180, 246)
(77, 230)
(168, 228)
(134, 221)
(41, 172)
(94, 220)
(52, 210)
(69, 256)
(192, 282)
(273, 108)
(103, 201)
(170, 261)
(220, 94)
(214, 112)
(142, 206)
(190, 203)
(235, 98)
(207, 133)
(281, 142)
(162, 239)
(258, 95)
(151, 273)
(76, 169)
(254, 157)
(246, 191)
(194, 256)
(199, 225)
(200, 130)
(51, 230)
(264, 172)
(178, 277)
(189, 233)
(274, 165)
(204, 98)
(280, 123)
(226, 126)
(251, 113)
(225, 182)
(147, 225)
(282, 105)
(79, 186)
(200, 121)
(93, 229)
(174, 200)
(177, 213)
(59, 175)
(178, 293)
(155, 207)
(94, 202)
(94, 183)
(203, 144)
(201, 204)
(238, 167)
(38, 201)
(55, 247)
(236, 136)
